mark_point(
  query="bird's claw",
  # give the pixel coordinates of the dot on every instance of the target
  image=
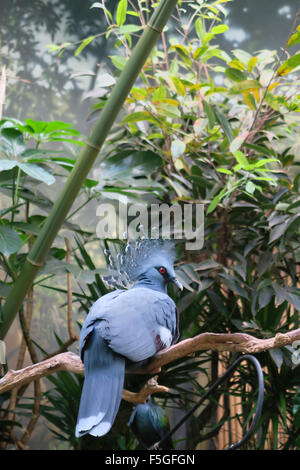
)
(155, 446)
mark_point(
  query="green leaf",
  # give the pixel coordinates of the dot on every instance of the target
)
(264, 161)
(121, 12)
(61, 139)
(209, 113)
(277, 357)
(124, 165)
(118, 61)
(289, 65)
(129, 29)
(36, 126)
(235, 75)
(34, 229)
(83, 45)
(246, 85)
(10, 242)
(260, 149)
(213, 52)
(105, 80)
(242, 56)
(280, 229)
(37, 173)
(250, 187)
(177, 148)
(168, 110)
(59, 126)
(238, 141)
(12, 142)
(293, 299)
(207, 264)
(221, 28)
(183, 53)
(138, 116)
(180, 88)
(7, 164)
(237, 64)
(252, 63)
(200, 51)
(216, 201)
(230, 282)
(241, 158)
(224, 123)
(225, 171)
(200, 28)
(294, 39)
(207, 38)
(265, 296)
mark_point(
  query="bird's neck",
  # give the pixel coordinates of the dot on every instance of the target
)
(151, 284)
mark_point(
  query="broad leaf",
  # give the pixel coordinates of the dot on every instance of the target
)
(10, 241)
(37, 172)
(289, 65)
(246, 85)
(121, 12)
(7, 164)
(84, 43)
(177, 148)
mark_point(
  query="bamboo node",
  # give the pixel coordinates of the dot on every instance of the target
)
(154, 29)
(89, 144)
(39, 265)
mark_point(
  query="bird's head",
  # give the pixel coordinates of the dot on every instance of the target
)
(144, 262)
(158, 271)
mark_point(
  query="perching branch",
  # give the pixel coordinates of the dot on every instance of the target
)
(72, 363)
(221, 342)
(241, 342)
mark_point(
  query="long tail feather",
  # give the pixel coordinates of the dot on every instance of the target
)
(102, 388)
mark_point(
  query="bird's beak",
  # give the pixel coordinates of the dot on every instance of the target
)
(177, 283)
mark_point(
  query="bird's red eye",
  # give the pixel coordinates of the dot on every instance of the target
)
(162, 270)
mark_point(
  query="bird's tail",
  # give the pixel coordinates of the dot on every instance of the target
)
(102, 388)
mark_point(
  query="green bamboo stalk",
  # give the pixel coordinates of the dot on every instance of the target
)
(85, 162)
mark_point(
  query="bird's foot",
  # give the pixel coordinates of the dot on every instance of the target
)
(155, 446)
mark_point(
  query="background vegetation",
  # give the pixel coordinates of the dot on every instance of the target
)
(201, 125)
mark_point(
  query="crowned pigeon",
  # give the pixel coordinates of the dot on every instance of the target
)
(126, 327)
(150, 424)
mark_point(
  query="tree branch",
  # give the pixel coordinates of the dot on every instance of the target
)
(241, 342)
(221, 342)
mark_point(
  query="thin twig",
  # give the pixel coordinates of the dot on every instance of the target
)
(35, 414)
(73, 336)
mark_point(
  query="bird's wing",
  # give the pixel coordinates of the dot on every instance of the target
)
(136, 323)
(177, 332)
(93, 316)
(159, 420)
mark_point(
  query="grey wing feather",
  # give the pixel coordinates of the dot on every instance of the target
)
(136, 323)
(177, 332)
(93, 316)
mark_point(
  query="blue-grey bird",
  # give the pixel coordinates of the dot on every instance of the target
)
(126, 327)
(150, 424)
